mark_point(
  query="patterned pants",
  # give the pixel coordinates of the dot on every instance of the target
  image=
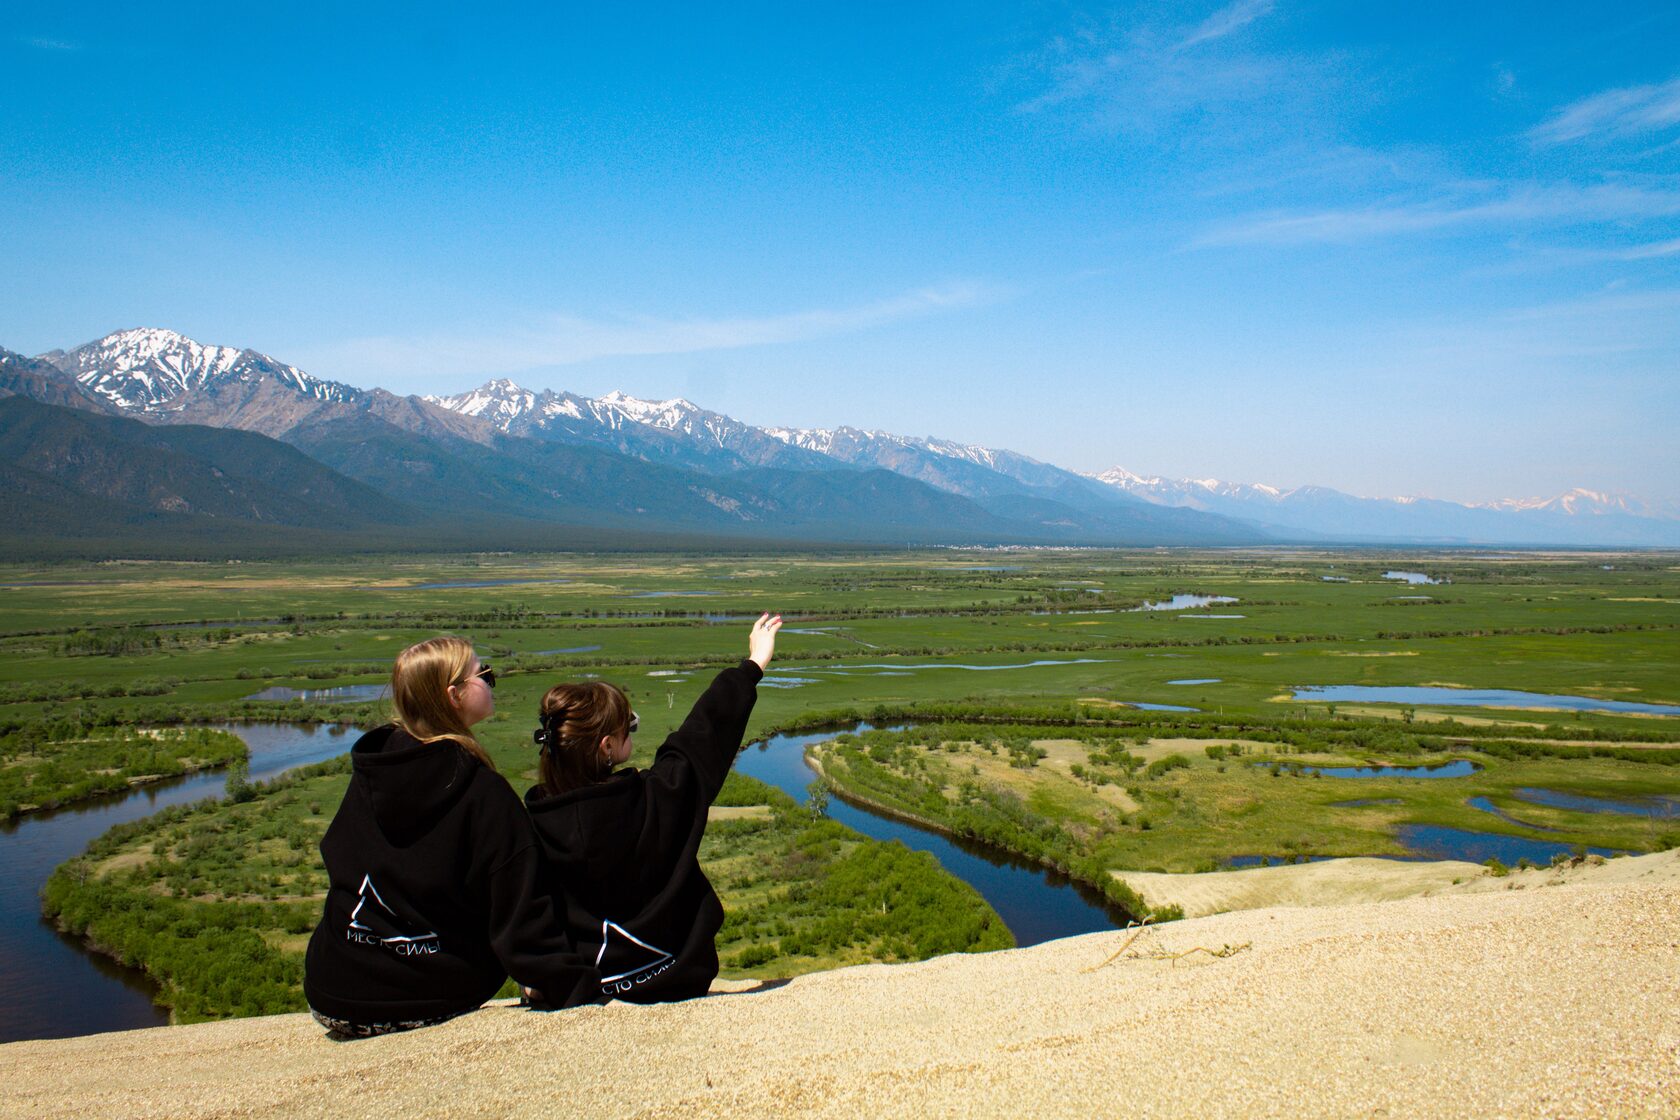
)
(343, 1029)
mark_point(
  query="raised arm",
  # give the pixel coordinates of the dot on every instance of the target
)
(710, 737)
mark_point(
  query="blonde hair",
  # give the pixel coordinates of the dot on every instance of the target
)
(420, 683)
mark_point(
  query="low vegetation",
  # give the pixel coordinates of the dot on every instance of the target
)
(49, 763)
(1091, 801)
(1019, 672)
(216, 901)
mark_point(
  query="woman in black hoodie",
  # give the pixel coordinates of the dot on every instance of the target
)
(433, 898)
(622, 845)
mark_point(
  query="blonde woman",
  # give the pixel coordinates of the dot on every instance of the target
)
(434, 898)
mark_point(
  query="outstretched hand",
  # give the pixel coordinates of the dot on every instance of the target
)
(761, 644)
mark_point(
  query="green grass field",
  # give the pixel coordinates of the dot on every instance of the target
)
(1041, 646)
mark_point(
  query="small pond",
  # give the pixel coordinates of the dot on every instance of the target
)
(1474, 698)
(1660, 806)
(1411, 577)
(1460, 768)
(1432, 841)
(450, 584)
(1196, 680)
(1184, 603)
(846, 670)
(563, 649)
(345, 693)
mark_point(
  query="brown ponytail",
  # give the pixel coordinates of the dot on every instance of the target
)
(575, 718)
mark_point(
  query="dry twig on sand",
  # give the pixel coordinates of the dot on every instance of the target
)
(1159, 954)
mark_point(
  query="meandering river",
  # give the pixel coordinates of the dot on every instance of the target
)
(51, 986)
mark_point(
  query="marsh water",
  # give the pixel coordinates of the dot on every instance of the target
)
(1036, 903)
(1475, 698)
(53, 987)
(340, 694)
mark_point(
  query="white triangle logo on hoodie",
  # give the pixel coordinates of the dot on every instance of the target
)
(378, 924)
(634, 960)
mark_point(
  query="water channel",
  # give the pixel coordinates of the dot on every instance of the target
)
(1036, 903)
(50, 986)
(1473, 698)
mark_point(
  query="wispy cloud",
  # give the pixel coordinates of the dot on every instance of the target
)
(1232, 17)
(1651, 251)
(1614, 112)
(1143, 76)
(43, 44)
(568, 339)
(1557, 205)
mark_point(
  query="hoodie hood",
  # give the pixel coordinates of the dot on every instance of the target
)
(409, 784)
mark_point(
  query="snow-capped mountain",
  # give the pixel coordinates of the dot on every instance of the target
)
(163, 377)
(1586, 503)
(1579, 517)
(619, 444)
(150, 370)
(1196, 493)
(674, 430)
(679, 432)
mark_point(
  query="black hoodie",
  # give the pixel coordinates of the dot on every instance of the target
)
(623, 855)
(434, 895)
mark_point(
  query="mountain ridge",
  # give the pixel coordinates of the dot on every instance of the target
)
(162, 377)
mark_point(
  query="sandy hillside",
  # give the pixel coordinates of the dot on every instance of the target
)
(1559, 1000)
(1338, 881)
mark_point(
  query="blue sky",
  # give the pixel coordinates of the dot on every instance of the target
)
(1397, 249)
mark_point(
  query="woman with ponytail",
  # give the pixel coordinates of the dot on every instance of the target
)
(622, 845)
(434, 870)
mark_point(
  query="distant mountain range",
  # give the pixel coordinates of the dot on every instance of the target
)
(1577, 518)
(146, 437)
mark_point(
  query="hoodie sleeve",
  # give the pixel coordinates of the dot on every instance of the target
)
(710, 737)
(530, 939)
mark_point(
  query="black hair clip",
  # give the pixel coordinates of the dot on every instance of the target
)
(548, 728)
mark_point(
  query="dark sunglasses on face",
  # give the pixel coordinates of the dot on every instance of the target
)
(635, 722)
(487, 674)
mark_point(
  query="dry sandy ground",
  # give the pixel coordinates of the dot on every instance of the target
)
(1551, 1001)
(1336, 882)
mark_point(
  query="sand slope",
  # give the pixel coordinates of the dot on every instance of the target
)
(1362, 879)
(1548, 1001)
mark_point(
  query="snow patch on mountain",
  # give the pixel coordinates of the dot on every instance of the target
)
(146, 369)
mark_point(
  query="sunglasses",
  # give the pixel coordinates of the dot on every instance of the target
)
(635, 722)
(487, 674)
